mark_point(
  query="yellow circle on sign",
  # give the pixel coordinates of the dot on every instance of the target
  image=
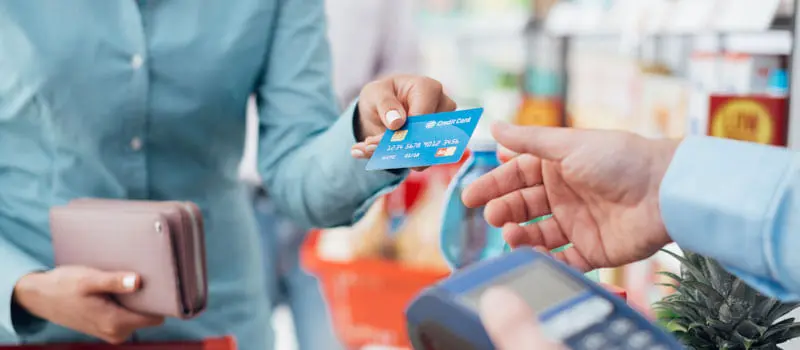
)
(743, 120)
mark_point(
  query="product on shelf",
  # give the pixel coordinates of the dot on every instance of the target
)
(755, 118)
(664, 106)
(747, 74)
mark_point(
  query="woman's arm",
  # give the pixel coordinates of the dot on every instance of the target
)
(16, 264)
(304, 146)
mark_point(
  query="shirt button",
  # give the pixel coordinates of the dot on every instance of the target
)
(137, 61)
(136, 144)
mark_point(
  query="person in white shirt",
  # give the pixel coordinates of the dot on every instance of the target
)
(369, 39)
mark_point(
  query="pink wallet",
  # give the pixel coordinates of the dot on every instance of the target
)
(161, 241)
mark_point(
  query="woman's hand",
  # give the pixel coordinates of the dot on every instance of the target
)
(78, 298)
(386, 103)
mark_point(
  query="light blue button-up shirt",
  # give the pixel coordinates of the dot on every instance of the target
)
(740, 203)
(146, 100)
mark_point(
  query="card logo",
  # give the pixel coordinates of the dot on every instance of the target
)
(446, 152)
(399, 135)
(430, 124)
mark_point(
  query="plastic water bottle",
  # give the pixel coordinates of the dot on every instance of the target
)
(466, 237)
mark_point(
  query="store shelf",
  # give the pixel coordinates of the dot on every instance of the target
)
(763, 32)
(497, 25)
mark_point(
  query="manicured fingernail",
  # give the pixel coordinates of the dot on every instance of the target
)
(129, 282)
(372, 148)
(357, 153)
(392, 118)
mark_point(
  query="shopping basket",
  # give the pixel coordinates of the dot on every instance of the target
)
(367, 298)
(225, 343)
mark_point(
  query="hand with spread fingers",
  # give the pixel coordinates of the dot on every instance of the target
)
(601, 187)
(385, 104)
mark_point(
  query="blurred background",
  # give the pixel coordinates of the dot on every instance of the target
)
(660, 68)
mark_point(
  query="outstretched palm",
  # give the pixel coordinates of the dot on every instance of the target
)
(601, 188)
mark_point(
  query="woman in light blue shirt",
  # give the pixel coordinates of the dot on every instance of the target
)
(146, 100)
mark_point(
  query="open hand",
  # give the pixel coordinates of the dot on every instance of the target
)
(601, 188)
(386, 103)
(79, 298)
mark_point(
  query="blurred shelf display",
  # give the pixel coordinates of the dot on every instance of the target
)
(663, 68)
(660, 68)
(488, 26)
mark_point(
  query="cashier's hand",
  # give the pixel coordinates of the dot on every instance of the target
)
(79, 298)
(386, 103)
(510, 322)
(600, 186)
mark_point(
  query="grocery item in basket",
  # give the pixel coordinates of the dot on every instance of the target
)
(418, 239)
(366, 239)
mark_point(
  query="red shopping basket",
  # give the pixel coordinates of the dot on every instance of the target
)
(225, 343)
(367, 298)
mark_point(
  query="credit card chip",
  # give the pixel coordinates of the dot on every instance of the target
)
(399, 135)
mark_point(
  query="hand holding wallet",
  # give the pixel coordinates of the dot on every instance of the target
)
(161, 241)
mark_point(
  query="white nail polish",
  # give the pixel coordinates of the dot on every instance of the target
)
(129, 282)
(357, 153)
(372, 148)
(391, 116)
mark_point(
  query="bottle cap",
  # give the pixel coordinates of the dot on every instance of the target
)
(482, 139)
(481, 143)
(778, 80)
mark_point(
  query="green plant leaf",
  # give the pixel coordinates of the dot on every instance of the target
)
(761, 310)
(791, 333)
(750, 330)
(742, 292)
(781, 309)
(671, 275)
(668, 285)
(779, 328)
(713, 298)
(696, 273)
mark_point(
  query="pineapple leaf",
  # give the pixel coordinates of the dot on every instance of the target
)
(713, 298)
(792, 332)
(683, 307)
(740, 291)
(761, 310)
(779, 328)
(779, 310)
(694, 342)
(720, 326)
(718, 277)
(668, 285)
(750, 330)
(671, 275)
(695, 273)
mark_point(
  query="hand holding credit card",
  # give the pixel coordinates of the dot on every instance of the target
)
(426, 140)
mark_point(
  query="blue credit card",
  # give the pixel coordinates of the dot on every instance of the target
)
(426, 140)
